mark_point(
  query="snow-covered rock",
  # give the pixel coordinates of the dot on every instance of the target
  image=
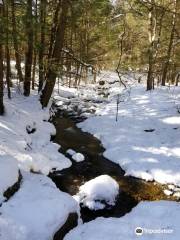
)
(9, 173)
(168, 192)
(67, 92)
(177, 195)
(70, 152)
(78, 157)
(158, 220)
(36, 211)
(171, 187)
(98, 193)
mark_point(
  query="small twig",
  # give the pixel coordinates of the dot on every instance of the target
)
(117, 106)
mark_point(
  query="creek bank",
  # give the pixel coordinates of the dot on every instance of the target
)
(133, 190)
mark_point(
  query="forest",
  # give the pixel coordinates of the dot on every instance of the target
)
(89, 119)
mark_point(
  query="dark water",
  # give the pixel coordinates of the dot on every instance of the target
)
(68, 180)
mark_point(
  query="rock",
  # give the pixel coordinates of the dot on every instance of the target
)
(78, 157)
(70, 152)
(14, 188)
(38, 208)
(177, 195)
(171, 187)
(9, 176)
(98, 193)
(177, 189)
(149, 130)
(31, 128)
(168, 192)
(101, 83)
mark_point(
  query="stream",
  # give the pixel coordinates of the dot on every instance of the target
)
(133, 190)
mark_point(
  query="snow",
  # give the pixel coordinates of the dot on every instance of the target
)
(148, 155)
(171, 187)
(177, 195)
(78, 157)
(158, 220)
(70, 152)
(32, 151)
(67, 92)
(36, 211)
(8, 174)
(85, 98)
(168, 192)
(95, 192)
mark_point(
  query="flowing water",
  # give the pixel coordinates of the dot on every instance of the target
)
(69, 180)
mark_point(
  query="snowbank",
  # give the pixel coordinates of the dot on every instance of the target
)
(25, 135)
(158, 220)
(36, 211)
(8, 174)
(145, 140)
(98, 192)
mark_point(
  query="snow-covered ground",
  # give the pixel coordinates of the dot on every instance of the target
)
(145, 141)
(32, 151)
(36, 211)
(157, 220)
(9, 174)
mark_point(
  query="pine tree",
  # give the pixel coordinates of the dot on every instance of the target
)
(1, 60)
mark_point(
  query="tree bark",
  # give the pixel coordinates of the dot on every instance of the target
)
(35, 45)
(34, 70)
(54, 30)
(42, 43)
(15, 42)
(8, 65)
(29, 51)
(167, 61)
(1, 62)
(56, 55)
(152, 35)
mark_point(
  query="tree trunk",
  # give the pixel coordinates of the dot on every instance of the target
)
(54, 30)
(35, 45)
(77, 74)
(8, 65)
(177, 79)
(167, 61)
(29, 51)
(42, 43)
(34, 70)
(15, 42)
(56, 55)
(152, 34)
(1, 63)
(8, 71)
